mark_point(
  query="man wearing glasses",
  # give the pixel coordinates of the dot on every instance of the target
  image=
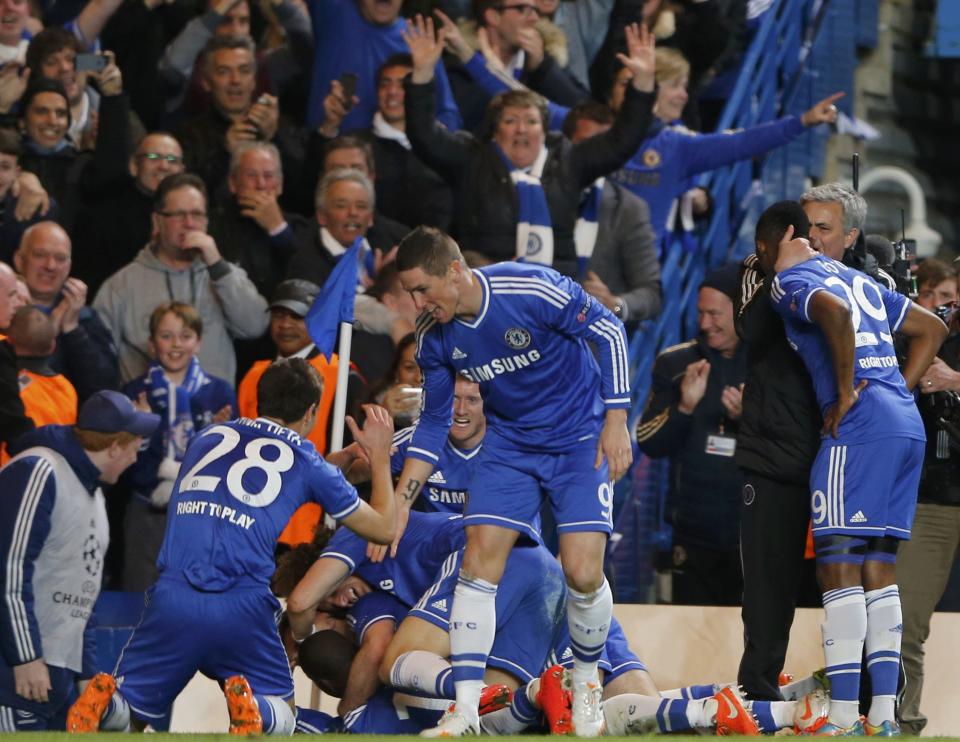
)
(118, 224)
(181, 262)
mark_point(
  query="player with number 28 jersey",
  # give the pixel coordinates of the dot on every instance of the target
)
(211, 608)
(226, 513)
(239, 484)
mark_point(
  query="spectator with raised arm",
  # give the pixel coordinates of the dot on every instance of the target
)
(616, 254)
(70, 176)
(180, 68)
(408, 191)
(356, 37)
(517, 195)
(524, 49)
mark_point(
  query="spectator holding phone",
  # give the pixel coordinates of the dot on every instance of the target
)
(233, 117)
(181, 68)
(68, 175)
(357, 36)
(401, 390)
(56, 54)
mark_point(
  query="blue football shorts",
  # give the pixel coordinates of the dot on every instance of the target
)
(865, 489)
(508, 486)
(183, 631)
(529, 605)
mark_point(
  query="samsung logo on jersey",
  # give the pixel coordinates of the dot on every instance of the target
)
(499, 366)
(878, 362)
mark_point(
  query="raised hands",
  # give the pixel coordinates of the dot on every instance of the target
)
(792, 251)
(425, 46)
(335, 109)
(640, 58)
(452, 37)
(109, 79)
(822, 112)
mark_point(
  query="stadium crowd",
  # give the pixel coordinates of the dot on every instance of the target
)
(180, 181)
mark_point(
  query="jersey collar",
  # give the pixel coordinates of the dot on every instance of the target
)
(484, 303)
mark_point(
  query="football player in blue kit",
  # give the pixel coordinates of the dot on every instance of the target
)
(864, 480)
(446, 488)
(556, 428)
(211, 608)
(430, 539)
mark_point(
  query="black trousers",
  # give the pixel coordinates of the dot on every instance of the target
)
(705, 576)
(776, 578)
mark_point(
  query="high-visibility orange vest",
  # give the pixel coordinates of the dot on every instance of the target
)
(47, 400)
(303, 523)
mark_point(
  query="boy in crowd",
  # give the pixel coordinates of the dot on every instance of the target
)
(187, 400)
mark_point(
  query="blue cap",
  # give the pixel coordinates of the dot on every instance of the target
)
(113, 412)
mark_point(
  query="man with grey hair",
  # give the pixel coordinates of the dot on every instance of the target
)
(837, 214)
(247, 221)
(344, 203)
(230, 77)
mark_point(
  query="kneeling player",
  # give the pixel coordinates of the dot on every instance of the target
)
(211, 608)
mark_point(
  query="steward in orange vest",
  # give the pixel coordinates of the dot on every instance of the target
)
(48, 397)
(291, 302)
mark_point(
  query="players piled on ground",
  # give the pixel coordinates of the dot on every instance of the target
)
(463, 623)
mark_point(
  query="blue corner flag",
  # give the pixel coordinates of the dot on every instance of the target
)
(334, 303)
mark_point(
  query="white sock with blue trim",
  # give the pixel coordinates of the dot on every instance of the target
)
(588, 618)
(473, 625)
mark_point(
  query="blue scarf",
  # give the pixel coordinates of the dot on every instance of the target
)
(587, 226)
(534, 227)
(173, 403)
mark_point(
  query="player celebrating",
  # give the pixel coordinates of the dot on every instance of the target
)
(556, 427)
(841, 323)
(239, 484)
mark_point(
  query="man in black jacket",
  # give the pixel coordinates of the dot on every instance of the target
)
(255, 232)
(692, 416)
(778, 440)
(117, 225)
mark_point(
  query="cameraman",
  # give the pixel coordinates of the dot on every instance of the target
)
(924, 562)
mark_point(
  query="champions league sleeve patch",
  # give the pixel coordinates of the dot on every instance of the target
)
(582, 314)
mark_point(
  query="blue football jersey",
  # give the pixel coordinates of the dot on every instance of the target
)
(390, 711)
(372, 608)
(239, 484)
(446, 488)
(542, 387)
(428, 541)
(885, 407)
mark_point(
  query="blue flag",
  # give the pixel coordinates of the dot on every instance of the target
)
(334, 303)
